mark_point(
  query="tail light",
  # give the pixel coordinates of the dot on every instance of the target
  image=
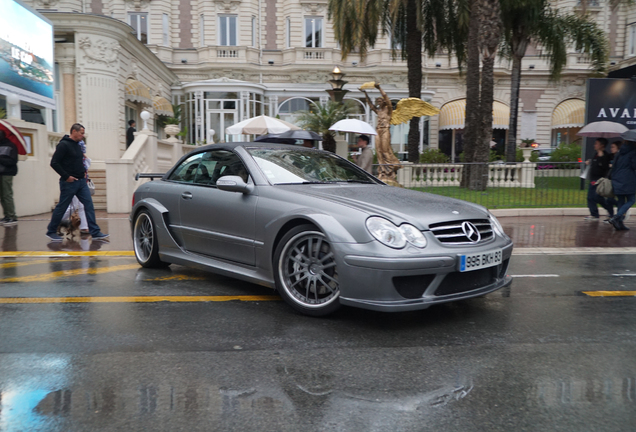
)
(133, 200)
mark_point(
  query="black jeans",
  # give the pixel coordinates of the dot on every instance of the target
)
(68, 190)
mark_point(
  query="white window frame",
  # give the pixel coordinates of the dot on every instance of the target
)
(228, 28)
(138, 16)
(288, 32)
(311, 20)
(165, 29)
(202, 30)
(631, 40)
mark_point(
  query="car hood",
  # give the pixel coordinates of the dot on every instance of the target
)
(396, 204)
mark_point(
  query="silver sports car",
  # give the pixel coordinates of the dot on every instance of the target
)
(318, 229)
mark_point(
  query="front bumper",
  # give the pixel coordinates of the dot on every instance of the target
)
(393, 284)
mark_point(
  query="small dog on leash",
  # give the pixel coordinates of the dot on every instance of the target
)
(70, 228)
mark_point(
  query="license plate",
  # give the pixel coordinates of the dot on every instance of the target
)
(480, 260)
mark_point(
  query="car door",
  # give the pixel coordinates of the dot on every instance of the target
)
(175, 185)
(218, 223)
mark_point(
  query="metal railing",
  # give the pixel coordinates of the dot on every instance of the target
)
(510, 185)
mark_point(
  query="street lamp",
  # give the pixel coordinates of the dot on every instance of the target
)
(145, 115)
(337, 93)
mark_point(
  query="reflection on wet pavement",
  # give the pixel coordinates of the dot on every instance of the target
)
(270, 391)
(565, 232)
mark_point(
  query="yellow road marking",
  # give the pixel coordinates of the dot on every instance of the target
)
(134, 299)
(53, 254)
(27, 263)
(610, 293)
(65, 273)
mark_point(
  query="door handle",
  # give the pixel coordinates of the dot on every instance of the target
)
(186, 195)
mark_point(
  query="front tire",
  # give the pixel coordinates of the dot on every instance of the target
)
(305, 272)
(145, 242)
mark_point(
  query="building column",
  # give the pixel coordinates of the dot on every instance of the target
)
(67, 68)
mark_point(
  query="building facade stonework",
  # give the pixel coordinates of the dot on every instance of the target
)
(227, 60)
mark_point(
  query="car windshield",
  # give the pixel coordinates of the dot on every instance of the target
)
(291, 166)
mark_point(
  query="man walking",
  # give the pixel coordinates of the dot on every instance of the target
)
(365, 159)
(8, 170)
(68, 162)
(599, 166)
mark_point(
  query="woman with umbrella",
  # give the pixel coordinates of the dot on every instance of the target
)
(11, 144)
(623, 177)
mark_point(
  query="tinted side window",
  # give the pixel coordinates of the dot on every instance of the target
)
(219, 163)
(187, 171)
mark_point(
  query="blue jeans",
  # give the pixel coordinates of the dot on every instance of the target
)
(624, 203)
(593, 199)
(68, 190)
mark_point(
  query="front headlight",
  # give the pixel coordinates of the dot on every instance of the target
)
(396, 237)
(386, 233)
(413, 235)
(496, 225)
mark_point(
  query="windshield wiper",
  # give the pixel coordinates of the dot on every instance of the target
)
(359, 181)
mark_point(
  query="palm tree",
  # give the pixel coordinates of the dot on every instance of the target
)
(320, 118)
(414, 25)
(483, 40)
(536, 20)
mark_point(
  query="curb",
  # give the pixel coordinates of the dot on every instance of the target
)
(583, 211)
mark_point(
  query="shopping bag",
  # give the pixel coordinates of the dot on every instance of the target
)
(604, 187)
(91, 186)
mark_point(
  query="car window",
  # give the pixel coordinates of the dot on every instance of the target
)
(218, 163)
(187, 170)
(298, 166)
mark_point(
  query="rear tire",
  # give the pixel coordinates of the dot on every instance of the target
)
(145, 242)
(305, 272)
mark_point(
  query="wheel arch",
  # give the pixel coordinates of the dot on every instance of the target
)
(160, 216)
(336, 233)
(288, 226)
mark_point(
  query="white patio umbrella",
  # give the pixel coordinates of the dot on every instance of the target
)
(260, 125)
(353, 125)
(602, 129)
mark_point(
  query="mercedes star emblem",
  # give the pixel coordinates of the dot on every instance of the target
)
(471, 232)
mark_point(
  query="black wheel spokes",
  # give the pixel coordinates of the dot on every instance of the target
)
(310, 268)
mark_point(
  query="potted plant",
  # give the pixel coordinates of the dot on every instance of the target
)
(171, 124)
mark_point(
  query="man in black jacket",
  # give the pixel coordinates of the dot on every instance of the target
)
(599, 167)
(130, 133)
(68, 162)
(8, 169)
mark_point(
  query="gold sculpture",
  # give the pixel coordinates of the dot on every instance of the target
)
(405, 110)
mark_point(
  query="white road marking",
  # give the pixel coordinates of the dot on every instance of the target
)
(535, 276)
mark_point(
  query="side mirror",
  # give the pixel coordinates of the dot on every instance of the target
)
(232, 183)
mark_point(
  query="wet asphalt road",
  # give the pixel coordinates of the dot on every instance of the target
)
(540, 356)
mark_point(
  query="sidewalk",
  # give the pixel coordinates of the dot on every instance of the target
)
(552, 231)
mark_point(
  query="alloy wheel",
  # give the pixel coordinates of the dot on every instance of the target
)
(308, 270)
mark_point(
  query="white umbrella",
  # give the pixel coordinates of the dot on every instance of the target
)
(353, 125)
(602, 129)
(260, 125)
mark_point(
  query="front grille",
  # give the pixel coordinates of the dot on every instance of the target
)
(452, 233)
(459, 282)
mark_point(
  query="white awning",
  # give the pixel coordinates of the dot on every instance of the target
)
(453, 115)
(569, 114)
